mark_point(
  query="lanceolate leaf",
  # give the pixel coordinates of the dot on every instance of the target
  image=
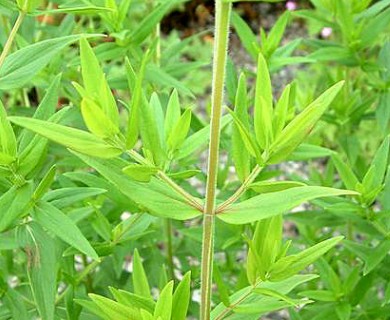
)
(271, 204)
(181, 298)
(7, 136)
(263, 110)
(158, 198)
(42, 271)
(140, 281)
(96, 84)
(63, 227)
(14, 204)
(291, 265)
(163, 308)
(297, 130)
(282, 287)
(72, 138)
(24, 64)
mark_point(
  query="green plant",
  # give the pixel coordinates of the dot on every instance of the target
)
(123, 187)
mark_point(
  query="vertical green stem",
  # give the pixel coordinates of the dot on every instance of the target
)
(11, 37)
(222, 18)
(169, 249)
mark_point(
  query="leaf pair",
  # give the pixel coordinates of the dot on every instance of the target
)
(372, 183)
(273, 141)
(171, 304)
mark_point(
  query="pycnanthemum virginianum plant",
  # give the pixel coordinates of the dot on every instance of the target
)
(57, 217)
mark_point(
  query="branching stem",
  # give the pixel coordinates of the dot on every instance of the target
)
(240, 191)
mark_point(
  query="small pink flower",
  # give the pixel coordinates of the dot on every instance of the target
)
(291, 5)
(326, 32)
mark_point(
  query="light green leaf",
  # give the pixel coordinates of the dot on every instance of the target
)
(114, 310)
(180, 131)
(247, 138)
(281, 111)
(164, 304)
(297, 130)
(21, 66)
(155, 196)
(263, 109)
(273, 186)
(42, 272)
(246, 35)
(74, 139)
(14, 204)
(240, 155)
(45, 183)
(345, 171)
(172, 115)
(265, 247)
(96, 84)
(136, 101)
(140, 281)
(96, 121)
(45, 110)
(134, 300)
(63, 227)
(7, 136)
(271, 204)
(275, 35)
(141, 173)
(181, 298)
(291, 265)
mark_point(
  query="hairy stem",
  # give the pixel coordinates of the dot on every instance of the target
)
(222, 10)
(240, 191)
(11, 37)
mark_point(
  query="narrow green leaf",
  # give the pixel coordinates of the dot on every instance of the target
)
(136, 101)
(222, 288)
(141, 173)
(133, 300)
(113, 309)
(347, 175)
(63, 227)
(75, 139)
(247, 37)
(275, 35)
(180, 131)
(140, 281)
(281, 111)
(181, 298)
(45, 183)
(172, 115)
(263, 109)
(291, 265)
(21, 66)
(274, 186)
(155, 196)
(275, 294)
(96, 84)
(271, 204)
(7, 136)
(45, 110)
(164, 304)
(297, 130)
(14, 204)
(96, 121)
(240, 155)
(42, 271)
(247, 138)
